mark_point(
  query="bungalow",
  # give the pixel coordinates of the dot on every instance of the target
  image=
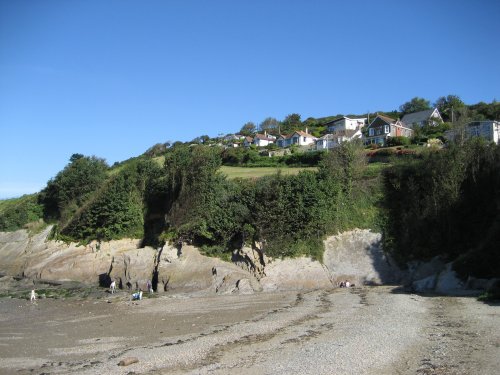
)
(345, 123)
(421, 118)
(262, 140)
(301, 138)
(489, 130)
(247, 141)
(329, 141)
(284, 140)
(382, 128)
(298, 138)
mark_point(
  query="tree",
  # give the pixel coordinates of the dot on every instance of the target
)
(415, 105)
(270, 125)
(291, 122)
(449, 106)
(248, 129)
(73, 185)
(345, 164)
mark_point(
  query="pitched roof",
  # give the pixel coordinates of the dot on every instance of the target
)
(304, 134)
(387, 119)
(264, 137)
(418, 117)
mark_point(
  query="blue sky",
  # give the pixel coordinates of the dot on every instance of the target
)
(112, 78)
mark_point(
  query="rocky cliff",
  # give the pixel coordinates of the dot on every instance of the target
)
(355, 256)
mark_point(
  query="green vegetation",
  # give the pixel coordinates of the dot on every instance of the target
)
(72, 186)
(290, 214)
(253, 158)
(17, 213)
(446, 204)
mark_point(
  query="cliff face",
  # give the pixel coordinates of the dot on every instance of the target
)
(355, 256)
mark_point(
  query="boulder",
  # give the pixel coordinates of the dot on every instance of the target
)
(448, 282)
(426, 284)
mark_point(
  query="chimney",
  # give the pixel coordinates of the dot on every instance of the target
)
(307, 130)
(265, 133)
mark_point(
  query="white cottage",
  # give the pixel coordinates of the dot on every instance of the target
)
(489, 130)
(329, 141)
(345, 123)
(301, 138)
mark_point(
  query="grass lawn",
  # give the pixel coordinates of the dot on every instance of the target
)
(375, 169)
(244, 172)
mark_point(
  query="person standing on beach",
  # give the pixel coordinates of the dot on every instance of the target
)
(33, 296)
(150, 287)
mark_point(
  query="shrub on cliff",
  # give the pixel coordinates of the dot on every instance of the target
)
(116, 210)
(444, 204)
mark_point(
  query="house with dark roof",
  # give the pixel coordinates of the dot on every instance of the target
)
(422, 118)
(382, 128)
(284, 140)
(247, 141)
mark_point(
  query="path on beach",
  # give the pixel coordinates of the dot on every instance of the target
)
(369, 330)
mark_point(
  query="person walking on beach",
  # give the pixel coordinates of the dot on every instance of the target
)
(112, 287)
(33, 296)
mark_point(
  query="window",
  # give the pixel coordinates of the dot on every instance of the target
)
(304, 139)
(371, 132)
(386, 129)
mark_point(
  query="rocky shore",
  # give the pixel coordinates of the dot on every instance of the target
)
(361, 330)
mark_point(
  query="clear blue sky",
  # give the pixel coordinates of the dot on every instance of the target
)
(112, 78)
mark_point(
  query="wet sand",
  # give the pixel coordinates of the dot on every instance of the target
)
(372, 330)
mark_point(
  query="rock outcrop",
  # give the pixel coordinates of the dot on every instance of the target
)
(356, 256)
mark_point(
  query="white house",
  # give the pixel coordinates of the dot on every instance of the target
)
(262, 140)
(421, 118)
(329, 141)
(486, 129)
(298, 138)
(489, 130)
(345, 123)
(301, 138)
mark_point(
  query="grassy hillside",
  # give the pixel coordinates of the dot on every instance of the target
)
(244, 172)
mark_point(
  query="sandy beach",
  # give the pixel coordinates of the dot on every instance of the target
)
(369, 330)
